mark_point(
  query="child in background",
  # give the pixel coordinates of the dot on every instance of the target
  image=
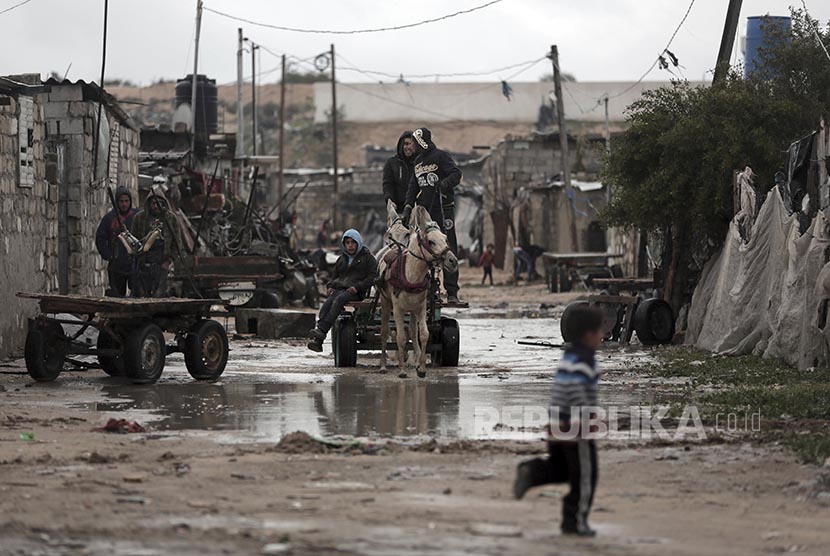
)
(486, 262)
(572, 452)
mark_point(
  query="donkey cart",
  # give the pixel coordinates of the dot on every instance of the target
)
(130, 341)
(360, 330)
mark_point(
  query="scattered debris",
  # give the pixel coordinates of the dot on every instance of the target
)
(121, 426)
(27, 436)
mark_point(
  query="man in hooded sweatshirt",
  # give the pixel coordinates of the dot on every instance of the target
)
(397, 172)
(432, 186)
(154, 263)
(119, 265)
(354, 273)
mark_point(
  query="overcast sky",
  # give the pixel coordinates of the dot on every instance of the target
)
(599, 40)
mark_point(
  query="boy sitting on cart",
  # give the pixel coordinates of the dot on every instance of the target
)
(354, 274)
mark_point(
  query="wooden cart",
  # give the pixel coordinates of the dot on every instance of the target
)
(359, 329)
(130, 341)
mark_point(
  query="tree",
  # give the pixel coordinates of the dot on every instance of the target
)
(671, 171)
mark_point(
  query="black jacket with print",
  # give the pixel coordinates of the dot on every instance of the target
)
(397, 173)
(434, 178)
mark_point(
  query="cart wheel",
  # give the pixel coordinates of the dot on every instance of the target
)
(344, 342)
(144, 354)
(654, 322)
(450, 343)
(113, 366)
(565, 324)
(206, 350)
(45, 350)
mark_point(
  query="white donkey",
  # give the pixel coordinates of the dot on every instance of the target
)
(406, 285)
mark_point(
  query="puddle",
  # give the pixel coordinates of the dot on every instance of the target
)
(500, 390)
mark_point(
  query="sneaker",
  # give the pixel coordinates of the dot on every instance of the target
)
(317, 334)
(579, 531)
(453, 298)
(522, 482)
(315, 345)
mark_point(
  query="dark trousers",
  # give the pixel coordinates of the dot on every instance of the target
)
(118, 282)
(332, 308)
(574, 463)
(151, 280)
(488, 271)
(451, 278)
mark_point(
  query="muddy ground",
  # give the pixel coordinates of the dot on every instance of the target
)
(408, 467)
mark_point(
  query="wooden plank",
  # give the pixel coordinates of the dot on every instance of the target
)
(54, 303)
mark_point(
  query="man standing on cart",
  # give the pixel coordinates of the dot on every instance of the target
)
(397, 172)
(433, 187)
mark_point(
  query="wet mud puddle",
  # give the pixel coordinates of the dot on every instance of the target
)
(500, 390)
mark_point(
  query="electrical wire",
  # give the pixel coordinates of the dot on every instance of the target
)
(815, 30)
(353, 31)
(657, 59)
(15, 6)
(436, 75)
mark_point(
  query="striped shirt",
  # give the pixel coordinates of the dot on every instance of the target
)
(575, 383)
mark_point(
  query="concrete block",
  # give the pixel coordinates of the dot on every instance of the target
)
(274, 323)
(66, 93)
(69, 126)
(56, 110)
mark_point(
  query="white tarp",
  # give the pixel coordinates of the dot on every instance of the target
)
(765, 296)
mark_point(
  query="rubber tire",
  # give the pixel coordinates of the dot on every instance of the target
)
(45, 351)
(144, 354)
(206, 350)
(344, 342)
(113, 366)
(564, 325)
(450, 342)
(654, 322)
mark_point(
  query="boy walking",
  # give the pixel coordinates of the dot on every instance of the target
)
(486, 262)
(572, 454)
(354, 274)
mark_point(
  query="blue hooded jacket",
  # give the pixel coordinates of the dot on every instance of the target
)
(355, 235)
(358, 271)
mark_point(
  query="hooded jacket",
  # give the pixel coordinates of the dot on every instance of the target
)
(434, 177)
(166, 247)
(397, 173)
(106, 236)
(359, 271)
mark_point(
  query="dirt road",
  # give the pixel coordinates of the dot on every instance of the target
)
(409, 470)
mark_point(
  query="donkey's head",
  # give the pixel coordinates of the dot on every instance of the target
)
(396, 232)
(432, 243)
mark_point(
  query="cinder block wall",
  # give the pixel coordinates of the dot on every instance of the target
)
(29, 213)
(28, 219)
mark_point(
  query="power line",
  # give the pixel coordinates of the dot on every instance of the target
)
(815, 30)
(353, 31)
(435, 75)
(15, 6)
(656, 60)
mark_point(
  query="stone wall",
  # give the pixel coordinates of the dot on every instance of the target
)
(60, 156)
(28, 218)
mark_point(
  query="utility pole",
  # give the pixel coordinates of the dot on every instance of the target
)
(240, 113)
(193, 85)
(335, 205)
(254, 130)
(727, 41)
(280, 182)
(563, 144)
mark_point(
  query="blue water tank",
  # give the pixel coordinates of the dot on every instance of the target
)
(760, 29)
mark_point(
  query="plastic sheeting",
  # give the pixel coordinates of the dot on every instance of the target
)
(767, 296)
